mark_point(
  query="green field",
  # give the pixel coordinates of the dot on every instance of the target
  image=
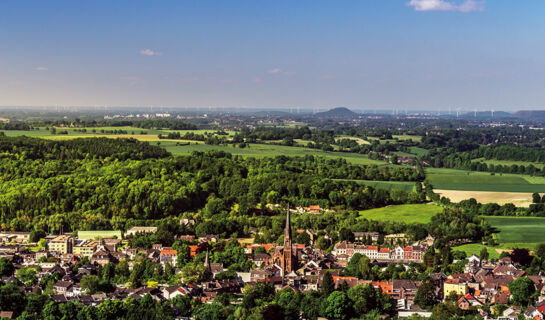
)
(91, 235)
(407, 213)
(407, 137)
(173, 146)
(513, 232)
(475, 248)
(418, 151)
(268, 150)
(509, 163)
(148, 134)
(388, 185)
(518, 230)
(451, 179)
(358, 140)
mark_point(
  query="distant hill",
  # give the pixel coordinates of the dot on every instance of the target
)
(337, 113)
(530, 114)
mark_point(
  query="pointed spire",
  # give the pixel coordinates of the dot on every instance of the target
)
(207, 262)
(207, 268)
(287, 235)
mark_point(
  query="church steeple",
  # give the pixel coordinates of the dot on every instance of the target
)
(288, 258)
(287, 231)
(207, 268)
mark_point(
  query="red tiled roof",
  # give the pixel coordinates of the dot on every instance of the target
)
(385, 286)
(453, 281)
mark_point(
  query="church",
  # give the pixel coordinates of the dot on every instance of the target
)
(286, 257)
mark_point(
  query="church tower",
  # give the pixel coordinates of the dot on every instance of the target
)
(288, 257)
(207, 268)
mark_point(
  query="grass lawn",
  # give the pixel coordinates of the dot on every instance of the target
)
(33, 248)
(90, 235)
(475, 248)
(408, 213)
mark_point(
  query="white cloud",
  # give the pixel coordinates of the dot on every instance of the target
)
(40, 68)
(275, 71)
(447, 5)
(150, 53)
(281, 72)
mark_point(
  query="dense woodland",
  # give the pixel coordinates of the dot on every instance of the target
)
(472, 160)
(52, 183)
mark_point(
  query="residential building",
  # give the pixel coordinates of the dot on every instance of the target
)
(454, 285)
(134, 230)
(61, 244)
(85, 248)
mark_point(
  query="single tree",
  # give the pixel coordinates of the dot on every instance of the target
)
(484, 254)
(540, 250)
(521, 256)
(522, 291)
(425, 296)
(338, 306)
(6, 267)
(89, 283)
(327, 284)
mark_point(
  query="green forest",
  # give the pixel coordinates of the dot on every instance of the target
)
(101, 183)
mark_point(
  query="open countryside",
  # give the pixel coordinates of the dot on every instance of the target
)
(513, 232)
(519, 199)
(407, 213)
(518, 231)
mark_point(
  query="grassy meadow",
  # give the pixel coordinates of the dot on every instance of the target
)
(99, 234)
(451, 179)
(475, 248)
(388, 185)
(176, 147)
(269, 150)
(408, 213)
(513, 232)
(518, 230)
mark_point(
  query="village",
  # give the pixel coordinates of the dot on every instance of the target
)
(294, 266)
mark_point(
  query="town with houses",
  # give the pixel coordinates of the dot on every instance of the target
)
(294, 266)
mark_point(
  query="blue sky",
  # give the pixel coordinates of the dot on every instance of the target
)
(366, 54)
